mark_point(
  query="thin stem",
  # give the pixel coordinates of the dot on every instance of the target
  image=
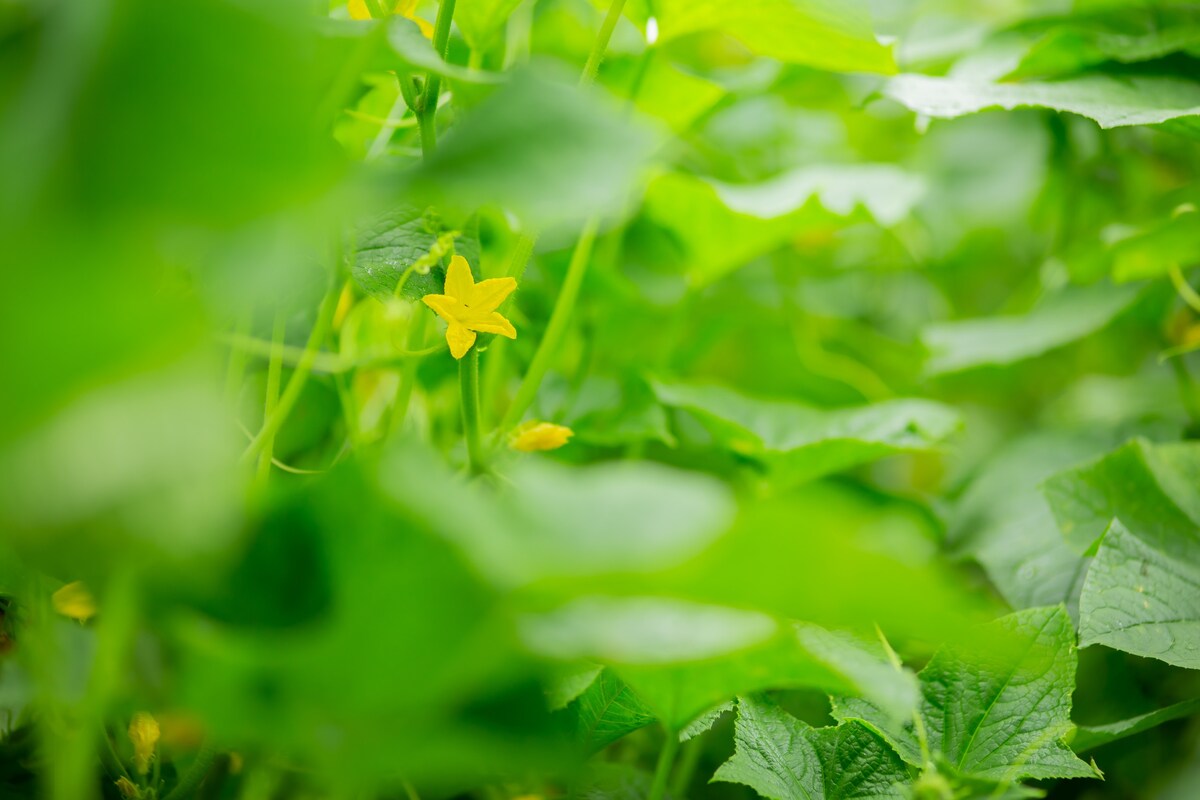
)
(1188, 393)
(271, 401)
(662, 771)
(601, 44)
(236, 372)
(1184, 288)
(468, 378)
(427, 112)
(195, 773)
(291, 394)
(556, 328)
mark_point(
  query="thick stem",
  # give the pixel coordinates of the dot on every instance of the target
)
(556, 328)
(688, 761)
(468, 378)
(427, 113)
(666, 758)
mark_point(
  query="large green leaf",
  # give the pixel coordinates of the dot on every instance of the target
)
(1140, 595)
(1059, 319)
(996, 709)
(798, 442)
(1110, 101)
(782, 758)
(829, 34)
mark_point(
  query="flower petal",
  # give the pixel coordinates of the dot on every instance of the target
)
(460, 339)
(492, 323)
(488, 295)
(460, 283)
(446, 307)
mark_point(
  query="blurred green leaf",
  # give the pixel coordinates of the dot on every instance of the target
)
(481, 21)
(798, 443)
(818, 33)
(1154, 250)
(564, 154)
(1057, 320)
(1110, 101)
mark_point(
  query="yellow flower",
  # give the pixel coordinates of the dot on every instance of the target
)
(468, 306)
(74, 601)
(535, 435)
(404, 8)
(144, 733)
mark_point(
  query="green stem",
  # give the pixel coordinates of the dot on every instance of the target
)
(417, 327)
(688, 761)
(556, 328)
(601, 44)
(666, 757)
(468, 378)
(1184, 288)
(427, 113)
(72, 778)
(236, 372)
(271, 401)
(195, 773)
(291, 394)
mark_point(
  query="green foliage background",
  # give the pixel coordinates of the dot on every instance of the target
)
(873, 323)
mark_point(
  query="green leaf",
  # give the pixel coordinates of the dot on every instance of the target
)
(798, 442)
(606, 711)
(481, 21)
(996, 709)
(417, 53)
(828, 34)
(1057, 320)
(801, 655)
(1150, 488)
(782, 758)
(1140, 596)
(1089, 737)
(1110, 101)
(723, 225)
(552, 153)
(1152, 251)
(1004, 522)
(1126, 35)
(390, 243)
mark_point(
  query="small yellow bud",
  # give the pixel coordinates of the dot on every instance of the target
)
(128, 789)
(144, 733)
(533, 436)
(74, 601)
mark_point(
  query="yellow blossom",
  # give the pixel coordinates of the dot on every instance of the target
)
(534, 436)
(469, 307)
(403, 8)
(74, 601)
(144, 733)
(128, 789)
